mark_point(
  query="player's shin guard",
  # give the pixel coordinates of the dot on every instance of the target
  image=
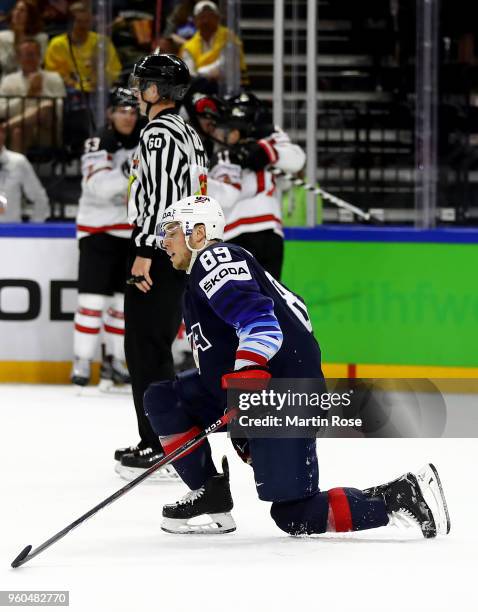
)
(114, 373)
(196, 467)
(170, 422)
(87, 324)
(114, 328)
(337, 510)
(85, 339)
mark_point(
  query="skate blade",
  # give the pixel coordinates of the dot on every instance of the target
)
(108, 386)
(432, 491)
(168, 474)
(219, 523)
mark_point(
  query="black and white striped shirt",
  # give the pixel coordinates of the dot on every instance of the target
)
(169, 164)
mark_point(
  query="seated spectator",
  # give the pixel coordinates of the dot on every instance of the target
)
(25, 22)
(204, 52)
(18, 179)
(74, 54)
(180, 23)
(31, 120)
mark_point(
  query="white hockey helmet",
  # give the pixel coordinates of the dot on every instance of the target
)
(191, 211)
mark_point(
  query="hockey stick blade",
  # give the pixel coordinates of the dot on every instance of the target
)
(27, 553)
(22, 557)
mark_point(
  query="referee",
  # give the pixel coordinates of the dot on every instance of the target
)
(169, 164)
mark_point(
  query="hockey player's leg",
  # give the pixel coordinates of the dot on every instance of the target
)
(98, 256)
(409, 500)
(286, 472)
(114, 368)
(88, 318)
(337, 510)
(206, 507)
(170, 422)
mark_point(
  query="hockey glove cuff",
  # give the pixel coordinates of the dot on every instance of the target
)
(250, 378)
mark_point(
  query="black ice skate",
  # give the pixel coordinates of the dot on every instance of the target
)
(114, 376)
(213, 501)
(416, 499)
(119, 452)
(131, 465)
(80, 372)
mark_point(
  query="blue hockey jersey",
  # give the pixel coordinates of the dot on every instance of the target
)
(236, 314)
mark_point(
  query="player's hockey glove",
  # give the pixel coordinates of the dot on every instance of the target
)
(250, 155)
(249, 378)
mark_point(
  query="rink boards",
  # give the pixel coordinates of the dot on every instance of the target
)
(383, 301)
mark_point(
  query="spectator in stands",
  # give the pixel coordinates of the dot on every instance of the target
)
(25, 22)
(180, 25)
(32, 120)
(74, 54)
(18, 179)
(204, 52)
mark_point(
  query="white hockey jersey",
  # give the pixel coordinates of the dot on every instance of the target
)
(103, 202)
(251, 200)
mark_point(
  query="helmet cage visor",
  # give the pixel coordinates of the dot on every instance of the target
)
(169, 229)
(137, 84)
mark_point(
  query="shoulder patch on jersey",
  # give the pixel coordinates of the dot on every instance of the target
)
(223, 273)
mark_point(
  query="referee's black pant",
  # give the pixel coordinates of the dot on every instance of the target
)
(151, 323)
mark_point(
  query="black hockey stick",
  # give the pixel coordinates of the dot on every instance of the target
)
(26, 555)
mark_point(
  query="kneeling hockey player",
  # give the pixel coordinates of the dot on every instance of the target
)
(244, 325)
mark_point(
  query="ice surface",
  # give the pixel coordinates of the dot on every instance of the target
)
(56, 462)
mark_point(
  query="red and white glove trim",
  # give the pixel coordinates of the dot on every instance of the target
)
(269, 149)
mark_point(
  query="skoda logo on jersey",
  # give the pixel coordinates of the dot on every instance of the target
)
(236, 270)
(197, 339)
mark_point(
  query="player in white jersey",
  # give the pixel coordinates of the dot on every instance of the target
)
(103, 232)
(241, 178)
